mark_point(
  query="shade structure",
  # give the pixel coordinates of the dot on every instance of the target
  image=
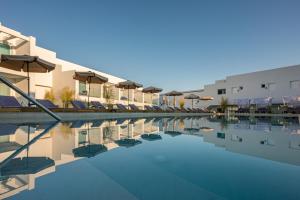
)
(192, 97)
(27, 64)
(128, 85)
(151, 90)
(89, 150)
(89, 77)
(26, 165)
(206, 98)
(174, 94)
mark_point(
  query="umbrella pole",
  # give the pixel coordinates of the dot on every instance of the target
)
(192, 103)
(128, 100)
(174, 101)
(89, 95)
(28, 83)
(151, 99)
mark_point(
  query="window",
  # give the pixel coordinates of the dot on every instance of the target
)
(221, 91)
(4, 49)
(263, 85)
(295, 84)
(82, 136)
(82, 88)
(95, 90)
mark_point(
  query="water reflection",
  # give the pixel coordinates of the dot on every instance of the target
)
(276, 139)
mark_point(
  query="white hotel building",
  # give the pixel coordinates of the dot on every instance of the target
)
(275, 83)
(15, 43)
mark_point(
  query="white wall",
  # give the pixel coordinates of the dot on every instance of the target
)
(251, 83)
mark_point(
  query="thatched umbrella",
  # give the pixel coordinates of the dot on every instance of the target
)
(174, 94)
(90, 77)
(206, 98)
(192, 97)
(128, 85)
(151, 90)
(26, 64)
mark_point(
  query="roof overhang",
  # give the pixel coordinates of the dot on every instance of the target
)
(12, 38)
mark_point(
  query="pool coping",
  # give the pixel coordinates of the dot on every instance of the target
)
(31, 117)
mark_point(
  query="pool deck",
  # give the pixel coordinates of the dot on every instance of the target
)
(31, 117)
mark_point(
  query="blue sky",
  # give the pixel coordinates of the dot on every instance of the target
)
(173, 44)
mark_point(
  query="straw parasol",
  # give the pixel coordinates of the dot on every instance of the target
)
(89, 77)
(192, 97)
(174, 94)
(27, 64)
(151, 90)
(206, 98)
(128, 85)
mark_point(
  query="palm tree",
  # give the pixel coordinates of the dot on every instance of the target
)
(224, 104)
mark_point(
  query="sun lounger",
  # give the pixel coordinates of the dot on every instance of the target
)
(80, 106)
(149, 108)
(98, 105)
(134, 108)
(47, 103)
(10, 104)
(157, 108)
(121, 107)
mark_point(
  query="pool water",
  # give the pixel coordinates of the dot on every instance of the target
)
(153, 158)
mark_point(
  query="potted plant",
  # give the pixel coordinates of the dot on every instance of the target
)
(66, 96)
(49, 95)
(108, 96)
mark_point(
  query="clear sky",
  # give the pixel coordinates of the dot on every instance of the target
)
(173, 44)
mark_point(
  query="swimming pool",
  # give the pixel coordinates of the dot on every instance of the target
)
(152, 158)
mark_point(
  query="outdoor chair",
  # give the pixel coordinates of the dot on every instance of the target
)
(10, 103)
(134, 108)
(80, 106)
(97, 105)
(121, 107)
(157, 108)
(149, 108)
(47, 103)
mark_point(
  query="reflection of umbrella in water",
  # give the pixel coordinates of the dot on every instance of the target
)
(5, 130)
(151, 137)
(26, 165)
(89, 150)
(191, 129)
(128, 142)
(173, 132)
(27, 64)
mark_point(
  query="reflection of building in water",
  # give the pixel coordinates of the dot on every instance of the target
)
(266, 138)
(276, 139)
(58, 145)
